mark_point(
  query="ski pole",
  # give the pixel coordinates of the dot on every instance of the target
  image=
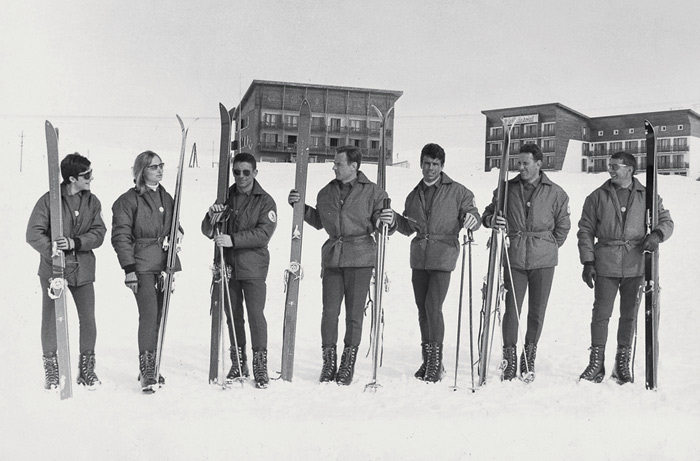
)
(470, 240)
(459, 311)
(224, 282)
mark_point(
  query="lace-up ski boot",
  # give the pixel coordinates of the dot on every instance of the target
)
(330, 364)
(234, 373)
(595, 371)
(434, 370)
(86, 371)
(527, 362)
(51, 380)
(510, 363)
(147, 366)
(425, 352)
(621, 370)
(260, 369)
(347, 366)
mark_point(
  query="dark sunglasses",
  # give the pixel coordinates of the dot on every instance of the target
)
(155, 167)
(243, 172)
(86, 174)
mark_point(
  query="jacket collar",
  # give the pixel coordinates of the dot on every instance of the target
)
(636, 185)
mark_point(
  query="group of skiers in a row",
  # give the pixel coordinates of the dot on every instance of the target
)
(612, 237)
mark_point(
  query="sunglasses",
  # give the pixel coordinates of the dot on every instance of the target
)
(155, 167)
(616, 166)
(86, 174)
(242, 172)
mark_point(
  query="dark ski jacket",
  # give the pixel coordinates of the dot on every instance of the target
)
(615, 248)
(251, 221)
(140, 224)
(350, 224)
(436, 244)
(82, 222)
(536, 231)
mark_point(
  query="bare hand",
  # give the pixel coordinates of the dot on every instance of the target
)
(223, 240)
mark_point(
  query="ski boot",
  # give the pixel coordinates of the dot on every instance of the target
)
(86, 371)
(330, 359)
(595, 371)
(347, 366)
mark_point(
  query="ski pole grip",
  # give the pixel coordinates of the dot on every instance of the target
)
(387, 203)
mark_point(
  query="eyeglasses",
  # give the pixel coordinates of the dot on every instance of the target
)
(242, 172)
(155, 167)
(86, 174)
(616, 166)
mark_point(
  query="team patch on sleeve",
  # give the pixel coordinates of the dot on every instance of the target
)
(272, 216)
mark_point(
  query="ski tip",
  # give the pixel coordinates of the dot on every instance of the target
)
(182, 125)
(648, 127)
(379, 112)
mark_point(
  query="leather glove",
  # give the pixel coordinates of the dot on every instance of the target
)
(293, 197)
(498, 222)
(651, 241)
(65, 243)
(589, 274)
(132, 282)
(470, 221)
(386, 216)
(216, 213)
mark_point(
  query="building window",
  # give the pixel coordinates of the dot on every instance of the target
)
(515, 147)
(270, 120)
(496, 132)
(290, 121)
(600, 133)
(355, 126)
(548, 129)
(631, 131)
(616, 132)
(663, 128)
(515, 132)
(316, 141)
(548, 145)
(317, 123)
(680, 127)
(356, 142)
(374, 144)
(335, 125)
(531, 130)
(333, 142)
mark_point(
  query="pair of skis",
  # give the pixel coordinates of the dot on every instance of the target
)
(220, 295)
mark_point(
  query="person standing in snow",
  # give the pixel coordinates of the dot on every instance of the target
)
(350, 209)
(536, 223)
(436, 210)
(612, 238)
(141, 220)
(248, 220)
(83, 231)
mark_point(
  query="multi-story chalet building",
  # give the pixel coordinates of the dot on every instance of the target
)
(571, 141)
(340, 116)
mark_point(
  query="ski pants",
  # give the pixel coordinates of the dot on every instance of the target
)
(538, 284)
(430, 289)
(149, 299)
(352, 283)
(606, 289)
(84, 298)
(254, 293)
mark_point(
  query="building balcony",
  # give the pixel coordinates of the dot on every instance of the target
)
(673, 148)
(291, 126)
(265, 124)
(318, 128)
(548, 133)
(276, 147)
(337, 129)
(354, 131)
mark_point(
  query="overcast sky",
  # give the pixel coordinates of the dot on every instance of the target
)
(452, 59)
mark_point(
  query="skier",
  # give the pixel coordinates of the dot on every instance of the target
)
(611, 242)
(141, 220)
(249, 218)
(83, 231)
(350, 209)
(436, 210)
(537, 223)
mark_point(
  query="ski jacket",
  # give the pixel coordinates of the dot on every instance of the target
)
(82, 222)
(251, 221)
(140, 224)
(350, 224)
(616, 248)
(536, 229)
(436, 244)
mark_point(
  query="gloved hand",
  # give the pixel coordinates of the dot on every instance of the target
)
(216, 212)
(132, 282)
(589, 274)
(651, 241)
(470, 221)
(65, 243)
(293, 197)
(387, 217)
(498, 222)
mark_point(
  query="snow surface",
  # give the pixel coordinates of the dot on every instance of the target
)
(555, 417)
